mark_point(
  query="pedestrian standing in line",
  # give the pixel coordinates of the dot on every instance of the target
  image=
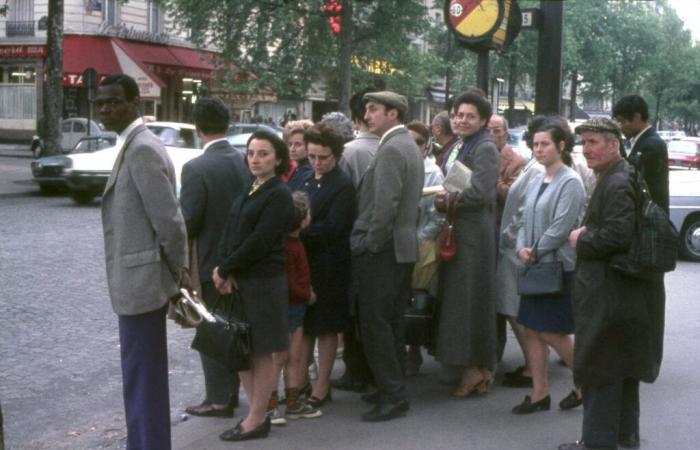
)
(145, 251)
(441, 130)
(252, 258)
(619, 319)
(210, 183)
(357, 156)
(467, 325)
(554, 205)
(294, 137)
(384, 246)
(647, 150)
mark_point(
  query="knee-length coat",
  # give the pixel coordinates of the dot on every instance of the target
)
(467, 292)
(619, 319)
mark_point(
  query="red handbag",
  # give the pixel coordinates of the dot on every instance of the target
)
(447, 245)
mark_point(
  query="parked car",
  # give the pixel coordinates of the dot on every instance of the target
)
(49, 171)
(239, 141)
(684, 153)
(72, 129)
(247, 128)
(685, 215)
(516, 139)
(671, 135)
(88, 175)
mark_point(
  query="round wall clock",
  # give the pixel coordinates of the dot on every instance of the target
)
(474, 20)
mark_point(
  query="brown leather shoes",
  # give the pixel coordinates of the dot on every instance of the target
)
(206, 409)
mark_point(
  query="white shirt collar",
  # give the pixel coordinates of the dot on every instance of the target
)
(634, 139)
(124, 134)
(209, 144)
(381, 141)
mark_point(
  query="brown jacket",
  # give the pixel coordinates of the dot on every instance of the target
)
(509, 169)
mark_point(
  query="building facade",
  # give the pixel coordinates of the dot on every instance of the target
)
(109, 36)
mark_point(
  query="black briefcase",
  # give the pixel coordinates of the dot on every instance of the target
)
(419, 319)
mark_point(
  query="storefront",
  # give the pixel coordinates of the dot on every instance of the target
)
(170, 78)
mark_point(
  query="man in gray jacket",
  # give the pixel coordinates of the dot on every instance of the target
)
(145, 251)
(384, 245)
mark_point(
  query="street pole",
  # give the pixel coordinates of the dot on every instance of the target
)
(482, 70)
(549, 58)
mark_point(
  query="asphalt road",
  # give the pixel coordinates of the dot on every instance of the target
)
(60, 381)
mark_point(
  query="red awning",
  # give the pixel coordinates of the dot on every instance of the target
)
(79, 53)
(168, 60)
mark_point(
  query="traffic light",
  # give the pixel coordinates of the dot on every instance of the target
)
(334, 11)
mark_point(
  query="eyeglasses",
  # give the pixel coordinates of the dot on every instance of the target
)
(313, 157)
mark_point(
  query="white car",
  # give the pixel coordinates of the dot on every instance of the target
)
(89, 172)
(72, 130)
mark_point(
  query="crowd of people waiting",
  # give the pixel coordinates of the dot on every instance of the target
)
(324, 233)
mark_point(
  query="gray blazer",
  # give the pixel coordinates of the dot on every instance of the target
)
(144, 231)
(358, 154)
(388, 198)
(559, 210)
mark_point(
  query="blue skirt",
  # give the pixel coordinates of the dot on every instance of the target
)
(549, 313)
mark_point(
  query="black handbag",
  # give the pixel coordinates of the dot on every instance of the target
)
(227, 339)
(541, 278)
(654, 247)
(419, 318)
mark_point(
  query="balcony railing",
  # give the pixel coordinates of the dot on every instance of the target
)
(20, 28)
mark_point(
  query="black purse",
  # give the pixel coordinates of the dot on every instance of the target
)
(419, 318)
(227, 339)
(541, 278)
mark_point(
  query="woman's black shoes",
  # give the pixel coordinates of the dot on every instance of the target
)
(517, 378)
(318, 402)
(527, 407)
(571, 401)
(236, 433)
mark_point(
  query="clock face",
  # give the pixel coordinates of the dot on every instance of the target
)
(475, 19)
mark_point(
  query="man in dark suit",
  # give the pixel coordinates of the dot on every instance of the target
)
(384, 246)
(210, 183)
(145, 251)
(648, 151)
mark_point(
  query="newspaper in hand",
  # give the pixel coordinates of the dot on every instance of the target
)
(458, 178)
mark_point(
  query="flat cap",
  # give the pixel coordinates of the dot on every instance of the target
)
(388, 98)
(600, 125)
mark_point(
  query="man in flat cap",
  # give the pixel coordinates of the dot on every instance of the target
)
(384, 246)
(619, 319)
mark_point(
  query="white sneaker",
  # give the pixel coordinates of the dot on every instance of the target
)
(305, 411)
(276, 418)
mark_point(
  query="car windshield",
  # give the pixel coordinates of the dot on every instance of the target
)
(92, 144)
(167, 135)
(683, 147)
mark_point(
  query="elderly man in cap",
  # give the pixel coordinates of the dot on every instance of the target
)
(619, 319)
(384, 245)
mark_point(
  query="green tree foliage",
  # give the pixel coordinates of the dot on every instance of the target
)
(286, 45)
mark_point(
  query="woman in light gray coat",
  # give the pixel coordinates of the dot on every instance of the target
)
(467, 328)
(553, 207)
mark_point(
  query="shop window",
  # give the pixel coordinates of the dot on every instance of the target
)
(17, 91)
(18, 75)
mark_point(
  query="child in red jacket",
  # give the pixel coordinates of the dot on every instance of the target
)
(300, 295)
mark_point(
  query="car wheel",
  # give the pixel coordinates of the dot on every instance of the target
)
(46, 189)
(690, 238)
(82, 198)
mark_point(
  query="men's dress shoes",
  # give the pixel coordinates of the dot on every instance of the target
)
(386, 411)
(630, 441)
(571, 401)
(236, 433)
(371, 397)
(206, 409)
(347, 384)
